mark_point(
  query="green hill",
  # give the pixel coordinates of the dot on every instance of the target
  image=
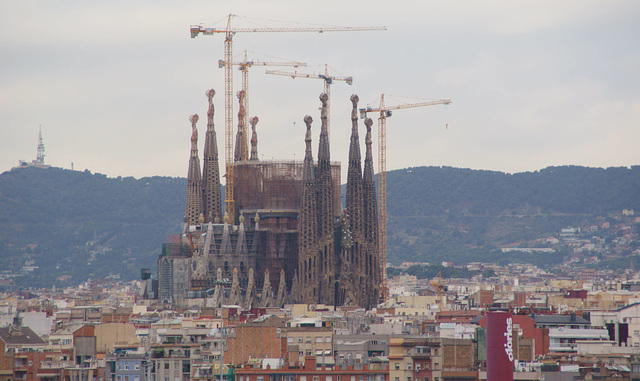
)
(61, 227)
(82, 224)
(462, 215)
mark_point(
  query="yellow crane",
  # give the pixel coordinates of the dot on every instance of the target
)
(229, 32)
(244, 67)
(439, 287)
(328, 81)
(385, 112)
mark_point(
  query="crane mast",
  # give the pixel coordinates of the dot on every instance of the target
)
(385, 112)
(328, 81)
(229, 32)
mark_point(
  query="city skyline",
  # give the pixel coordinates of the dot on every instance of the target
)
(113, 85)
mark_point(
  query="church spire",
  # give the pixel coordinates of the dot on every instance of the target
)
(370, 219)
(323, 264)
(353, 202)
(368, 158)
(324, 179)
(240, 153)
(254, 138)
(194, 182)
(212, 202)
(307, 234)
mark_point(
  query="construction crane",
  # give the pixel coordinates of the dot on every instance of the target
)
(328, 80)
(244, 67)
(439, 288)
(229, 32)
(385, 112)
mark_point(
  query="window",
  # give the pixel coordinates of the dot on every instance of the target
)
(166, 365)
(327, 339)
(318, 339)
(300, 339)
(408, 368)
(137, 365)
(307, 339)
(397, 365)
(260, 378)
(308, 352)
(290, 340)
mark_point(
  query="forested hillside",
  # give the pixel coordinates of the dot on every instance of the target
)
(462, 215)
(60, 227)
(73, 225)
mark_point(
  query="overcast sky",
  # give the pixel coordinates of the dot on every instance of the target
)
(533, 84)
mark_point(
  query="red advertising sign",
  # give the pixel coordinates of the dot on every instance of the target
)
(500, 351)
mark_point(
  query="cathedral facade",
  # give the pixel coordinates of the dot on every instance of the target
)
(289, 239)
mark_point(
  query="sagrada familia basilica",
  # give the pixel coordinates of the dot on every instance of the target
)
(288, 239)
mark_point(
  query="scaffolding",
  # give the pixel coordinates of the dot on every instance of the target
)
(276, 186)
(272, 189)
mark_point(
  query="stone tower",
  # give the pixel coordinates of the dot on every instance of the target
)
(353, 247)
(370, 220)
(307, 231)
(194, 181)
(325, 240)
(240, 152)
(212, 202)
(338, 259)
(254, 139)
(353, 202)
